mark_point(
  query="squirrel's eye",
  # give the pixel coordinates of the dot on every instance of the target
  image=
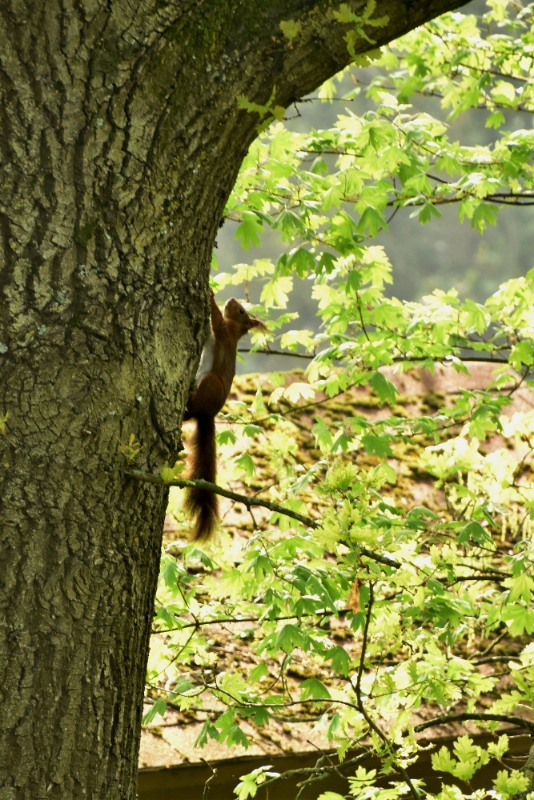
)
(241, 310)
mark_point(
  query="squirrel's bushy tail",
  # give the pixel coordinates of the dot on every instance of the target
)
(201, 504)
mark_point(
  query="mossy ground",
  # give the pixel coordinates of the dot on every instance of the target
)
(277, 450)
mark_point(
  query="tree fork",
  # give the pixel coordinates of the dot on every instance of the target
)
(120, 140)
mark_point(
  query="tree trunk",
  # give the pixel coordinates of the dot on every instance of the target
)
(120, 141)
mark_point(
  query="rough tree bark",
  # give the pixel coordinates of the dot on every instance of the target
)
(120, 140)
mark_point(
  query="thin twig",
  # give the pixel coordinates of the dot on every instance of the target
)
(220, 621)
(364, 329)
(293, 773)
(496, 641)
(494, 660)
(248, 502)
(316, 774)
(211, 777)
(268, 352)
(361, 707)
(396, 359)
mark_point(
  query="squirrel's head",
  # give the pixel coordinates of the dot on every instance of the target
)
(233, 310)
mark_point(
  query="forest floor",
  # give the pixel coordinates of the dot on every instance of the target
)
(171, 740)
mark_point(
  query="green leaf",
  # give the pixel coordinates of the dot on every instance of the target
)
(442, 761)
(226, 437)
(170, 573)
(522, 353)
(504, 92)
(159, 707)
(259, 672)
(275, 292)
(340, 659)
(248, 231)
(499, 748)
(301, 261)
(371, 221)
(171, 473)
(384, 388)
(246, 463)
(252, 430)
(511, 783)
(289, 224)
(521, 587)
(519, 619)
(299, 391)
(208, 730)
(289, 637)
(261, 716)
(484, 215)
(475, 316)
(249, 784)
(247, 787)
(495, 119)
(378, 445)
(315, 689)
(354, 280)
(473, 531)
(322, 435)
(182, 686)
(426, 212)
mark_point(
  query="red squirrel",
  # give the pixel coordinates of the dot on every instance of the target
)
(213, 382)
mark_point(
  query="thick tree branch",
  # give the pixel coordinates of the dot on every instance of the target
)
(320, 48)
(509, 718)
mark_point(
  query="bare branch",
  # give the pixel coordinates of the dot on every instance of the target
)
(361, 707)
(465, 717)
(248, 502)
